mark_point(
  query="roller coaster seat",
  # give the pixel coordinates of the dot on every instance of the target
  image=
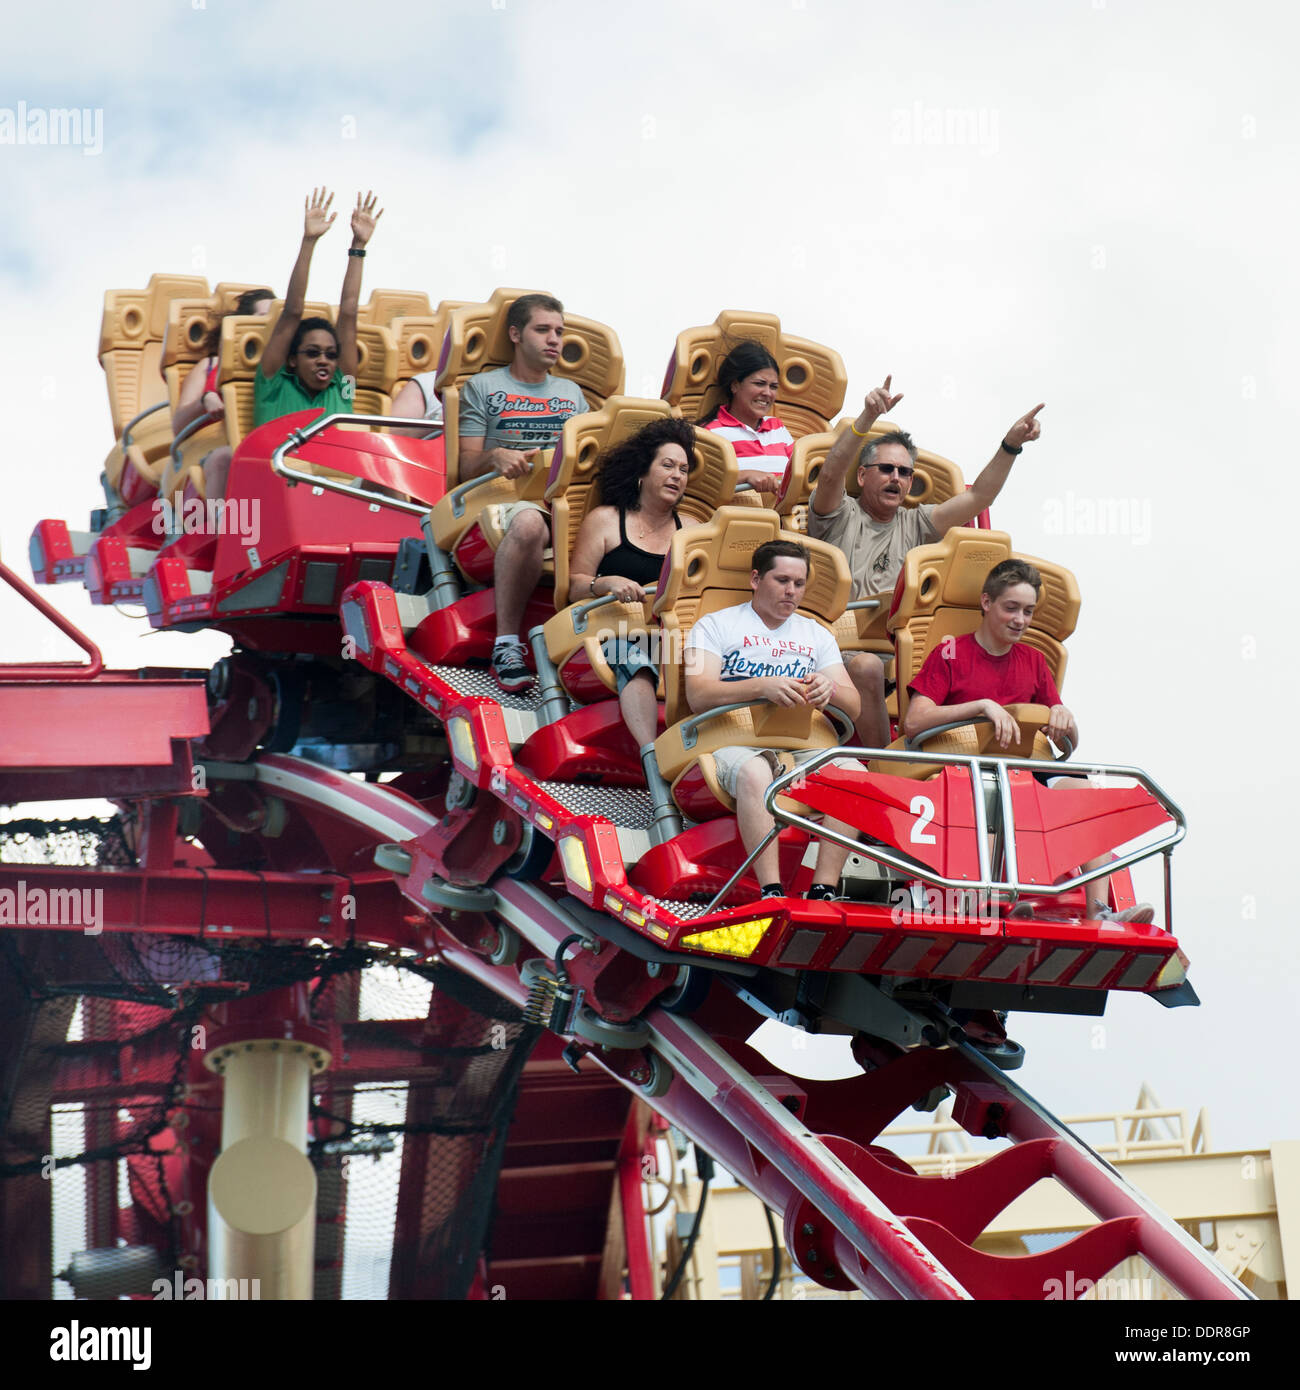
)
(477, 339)
(939, 598)
(709, 569)
(419, 338)
(813, 379)
(131, 336)
(572, 638)
(384, 306)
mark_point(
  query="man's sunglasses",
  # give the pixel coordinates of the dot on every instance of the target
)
(330, 354)
(888, 469)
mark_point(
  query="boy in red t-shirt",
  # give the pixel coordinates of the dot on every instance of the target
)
(976, 675)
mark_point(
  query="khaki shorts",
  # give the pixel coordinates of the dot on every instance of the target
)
(509, 510)
(729, 761)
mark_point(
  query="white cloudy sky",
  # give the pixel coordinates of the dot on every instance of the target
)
(1117, 240)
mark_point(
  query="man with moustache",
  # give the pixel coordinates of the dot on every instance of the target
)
(875, 531)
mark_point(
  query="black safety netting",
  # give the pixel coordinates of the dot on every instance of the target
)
(97, 1088)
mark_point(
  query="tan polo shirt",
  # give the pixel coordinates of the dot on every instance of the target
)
(874, 549)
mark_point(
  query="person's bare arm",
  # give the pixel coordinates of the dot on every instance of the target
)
(409, 404)
(476, 460)
(317, 220)
(923, 714)
(829, 492)
(594, 536)
(759, 480)
(966, 506)
(705, 688)
(364, 218)
(194, 402)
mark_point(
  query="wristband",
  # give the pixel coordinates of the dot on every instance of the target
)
(858, 432)
(1010, 450)
(356, 250)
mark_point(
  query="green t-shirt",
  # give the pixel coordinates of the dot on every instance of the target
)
(283, 393)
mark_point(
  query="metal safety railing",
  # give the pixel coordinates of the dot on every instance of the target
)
(295, 439)
(978, 767)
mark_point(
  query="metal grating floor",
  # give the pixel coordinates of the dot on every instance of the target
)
(472, 680)
(630, 806)
(686, 911)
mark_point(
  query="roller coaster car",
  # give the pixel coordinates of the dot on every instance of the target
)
(966, 888)
(934, 879)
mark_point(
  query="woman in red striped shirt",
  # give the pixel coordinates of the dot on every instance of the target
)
(747, 384)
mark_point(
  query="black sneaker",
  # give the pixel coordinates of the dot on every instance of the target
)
(509, 667)
(821, 893)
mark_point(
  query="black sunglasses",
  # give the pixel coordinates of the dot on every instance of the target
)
(330, 354)
(890, 468)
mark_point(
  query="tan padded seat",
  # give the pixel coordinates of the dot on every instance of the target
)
(131, 336)
(419, 340)
(384, 306)
(813, 380)
(477, 339)
(941, 598)
(130, 341)
(710, 569)
(573, 492)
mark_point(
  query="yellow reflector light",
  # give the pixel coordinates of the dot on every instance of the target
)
(574, 856)
(736, 939)
(462, 742)
(613, 903)
(1172, 972)
(544, 821)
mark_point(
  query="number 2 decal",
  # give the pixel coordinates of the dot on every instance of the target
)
(923, 809)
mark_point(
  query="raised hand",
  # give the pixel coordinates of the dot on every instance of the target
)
(317, 218)
(364, 218)
(880, 402)
(1026, 429)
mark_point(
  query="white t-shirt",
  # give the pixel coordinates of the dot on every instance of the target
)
(432, 405)
(749, 648)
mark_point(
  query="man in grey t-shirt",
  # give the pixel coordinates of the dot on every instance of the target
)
(876, 531)
(506, 415)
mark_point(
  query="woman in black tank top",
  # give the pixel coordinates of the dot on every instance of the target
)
(621, 547)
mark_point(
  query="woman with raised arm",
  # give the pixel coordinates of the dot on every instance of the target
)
(621, 547)
(199, 395)
(307, 362)
(747, 384)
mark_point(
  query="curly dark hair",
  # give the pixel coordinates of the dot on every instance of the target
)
(623, 465)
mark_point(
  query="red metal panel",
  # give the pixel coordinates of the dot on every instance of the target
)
(117, 720)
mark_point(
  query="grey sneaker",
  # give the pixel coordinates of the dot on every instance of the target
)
(509, 667)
